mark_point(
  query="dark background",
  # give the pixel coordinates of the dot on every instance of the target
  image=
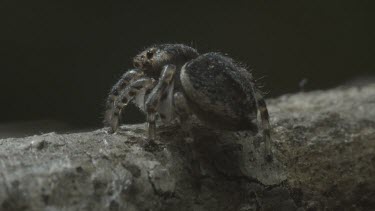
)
(58, 59)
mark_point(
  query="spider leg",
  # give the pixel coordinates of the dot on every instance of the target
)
(262, 107)
(181, 106)
(153, 100)
(130, 92)
(166, 111)
(124, 81)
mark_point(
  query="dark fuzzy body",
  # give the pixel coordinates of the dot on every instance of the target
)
(214, 88)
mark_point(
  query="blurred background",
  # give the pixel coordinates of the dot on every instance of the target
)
(59, 59)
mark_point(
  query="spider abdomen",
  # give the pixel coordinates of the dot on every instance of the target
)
(215, 96)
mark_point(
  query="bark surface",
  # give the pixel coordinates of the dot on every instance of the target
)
(324, 158)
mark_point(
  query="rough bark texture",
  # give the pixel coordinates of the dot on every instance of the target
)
(324, 147)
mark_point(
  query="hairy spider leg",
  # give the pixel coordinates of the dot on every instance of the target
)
(121, 84)
(125, 97)
(263, 111)
(166, 107)
(154, 98)
(181, 106)
(265, 118)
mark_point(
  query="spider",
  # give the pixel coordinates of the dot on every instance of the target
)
(174, 81)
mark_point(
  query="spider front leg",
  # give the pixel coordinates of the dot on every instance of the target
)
(128, 94)
(124, 81)
(153, 101)
(265, 119)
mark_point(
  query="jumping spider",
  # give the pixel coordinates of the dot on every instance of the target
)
(174, 81)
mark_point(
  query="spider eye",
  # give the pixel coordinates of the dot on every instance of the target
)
(149, 54)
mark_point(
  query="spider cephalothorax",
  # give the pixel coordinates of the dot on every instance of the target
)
(154, 58)
(173, 81)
